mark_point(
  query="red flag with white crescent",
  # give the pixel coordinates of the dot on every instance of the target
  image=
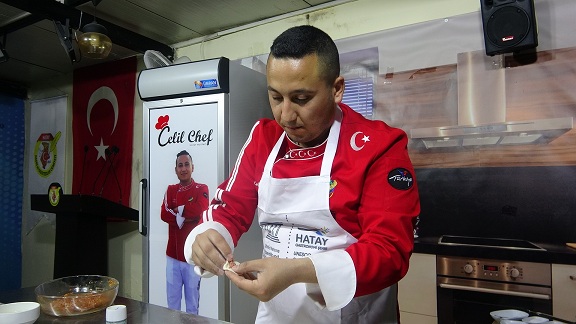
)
(103, 129)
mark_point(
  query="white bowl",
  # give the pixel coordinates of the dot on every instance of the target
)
(506, 321)
(535, 319)
(19, 313)
(508, 314)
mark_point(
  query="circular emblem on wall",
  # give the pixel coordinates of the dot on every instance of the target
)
(46, 153)
(54, 193)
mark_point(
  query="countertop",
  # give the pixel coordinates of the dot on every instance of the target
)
(554, 253)
(138, 312)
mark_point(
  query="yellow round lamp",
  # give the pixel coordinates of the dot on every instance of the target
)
(94, 43)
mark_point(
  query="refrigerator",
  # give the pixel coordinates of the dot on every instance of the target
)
(208, 108)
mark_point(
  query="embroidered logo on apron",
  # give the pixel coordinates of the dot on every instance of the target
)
(271, 231)
(333, 184)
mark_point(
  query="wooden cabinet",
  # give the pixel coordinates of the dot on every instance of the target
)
(564, 291)
(417, 291)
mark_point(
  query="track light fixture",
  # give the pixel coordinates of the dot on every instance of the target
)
(3, 53)
(64, 34)
(94, 41)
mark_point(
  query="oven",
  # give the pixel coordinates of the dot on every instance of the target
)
(468, 289)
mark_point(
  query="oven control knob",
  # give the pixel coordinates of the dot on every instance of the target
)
(468, 268)
(514, 273)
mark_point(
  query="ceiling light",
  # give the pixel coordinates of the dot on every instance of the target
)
(94, 43)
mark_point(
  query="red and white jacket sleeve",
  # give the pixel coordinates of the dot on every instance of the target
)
(375, 200)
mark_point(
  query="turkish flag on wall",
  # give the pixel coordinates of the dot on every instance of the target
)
(103, 129)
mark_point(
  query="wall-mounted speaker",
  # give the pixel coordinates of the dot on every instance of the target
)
(509, 26)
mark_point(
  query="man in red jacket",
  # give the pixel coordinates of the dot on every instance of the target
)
(334, 192)
(182, 206)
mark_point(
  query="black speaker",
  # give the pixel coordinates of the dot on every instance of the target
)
(509, 26)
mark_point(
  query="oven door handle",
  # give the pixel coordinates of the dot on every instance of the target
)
(496, 291)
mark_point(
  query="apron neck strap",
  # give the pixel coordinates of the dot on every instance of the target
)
(332, 143)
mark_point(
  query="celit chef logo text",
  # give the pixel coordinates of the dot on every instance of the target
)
(400, 178)
(194, 137)
(46, 154)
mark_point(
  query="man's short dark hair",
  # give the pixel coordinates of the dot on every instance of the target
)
(300, 41)
(183, 152)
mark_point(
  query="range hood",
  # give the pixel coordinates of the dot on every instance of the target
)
(482, 111)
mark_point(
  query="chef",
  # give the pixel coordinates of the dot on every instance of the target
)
(334, 192)
(181, 208)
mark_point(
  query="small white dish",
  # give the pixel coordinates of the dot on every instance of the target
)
(506, 321)
(535, 319)
(508, 314)
(19, 313)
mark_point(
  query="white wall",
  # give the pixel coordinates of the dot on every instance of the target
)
(346, 20)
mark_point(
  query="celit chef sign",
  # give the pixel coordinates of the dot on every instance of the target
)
(194, 137)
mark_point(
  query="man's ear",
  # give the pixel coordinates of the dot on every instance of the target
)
(338, 88)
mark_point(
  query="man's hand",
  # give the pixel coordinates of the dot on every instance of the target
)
(210, 251)
(273, 275)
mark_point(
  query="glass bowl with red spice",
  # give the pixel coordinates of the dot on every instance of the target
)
(76, 295)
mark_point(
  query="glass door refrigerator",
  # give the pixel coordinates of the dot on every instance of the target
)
(208, 109)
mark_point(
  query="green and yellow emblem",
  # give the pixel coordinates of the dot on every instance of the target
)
(54, 193)
(46, 153)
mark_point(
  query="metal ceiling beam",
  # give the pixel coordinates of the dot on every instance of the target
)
(54, 10)
(22, 22)
(27, 19)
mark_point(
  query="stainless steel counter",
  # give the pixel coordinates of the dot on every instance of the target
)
(138, 312)
(551, 253)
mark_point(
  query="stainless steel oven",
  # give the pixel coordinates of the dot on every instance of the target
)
(468, 289)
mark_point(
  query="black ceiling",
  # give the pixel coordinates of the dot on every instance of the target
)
(35, 53)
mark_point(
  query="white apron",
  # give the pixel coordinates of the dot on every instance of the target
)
(296, 222)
